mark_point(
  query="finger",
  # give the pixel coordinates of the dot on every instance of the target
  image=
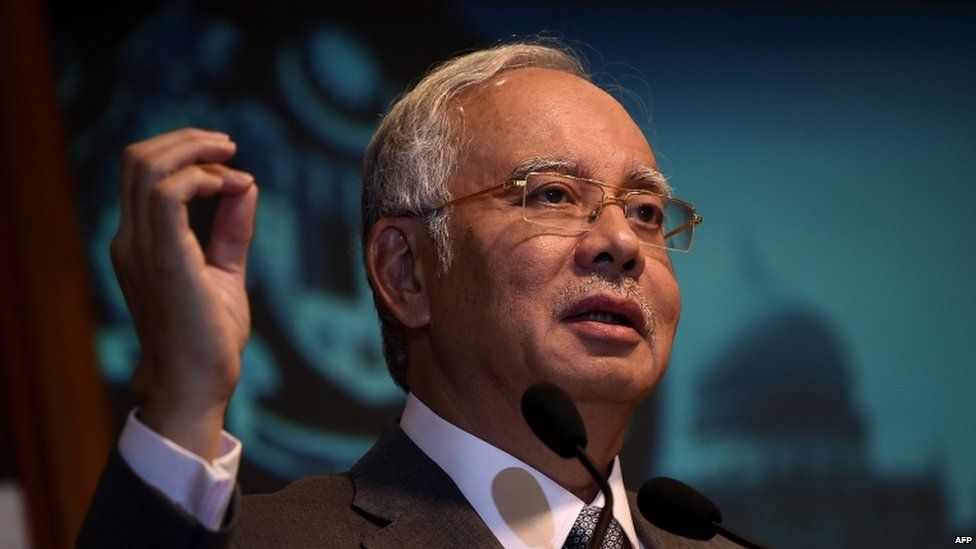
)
(168, 213)
(181, 134)
(156, 166)
(233, 228)
(142, 166)
(191, 147)
(235, 181)
(146, 147)
(134, 152)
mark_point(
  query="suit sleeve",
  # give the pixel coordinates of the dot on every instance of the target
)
(127, 512)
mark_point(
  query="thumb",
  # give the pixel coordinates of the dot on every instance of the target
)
(233, 227)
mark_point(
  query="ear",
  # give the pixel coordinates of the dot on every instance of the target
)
(395, 269)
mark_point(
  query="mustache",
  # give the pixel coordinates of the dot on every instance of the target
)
(591, 284)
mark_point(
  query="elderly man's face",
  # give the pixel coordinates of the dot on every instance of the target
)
(594, 312)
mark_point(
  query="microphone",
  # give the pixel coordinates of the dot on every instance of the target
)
(674, 506)
(553, 418)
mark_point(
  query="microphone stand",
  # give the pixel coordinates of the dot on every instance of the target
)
(556, 421)
(606, 514)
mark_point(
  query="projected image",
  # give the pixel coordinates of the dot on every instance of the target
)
(315, 350)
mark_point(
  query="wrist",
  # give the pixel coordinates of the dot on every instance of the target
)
(193, 425)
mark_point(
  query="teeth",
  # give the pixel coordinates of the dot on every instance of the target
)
(607, 318)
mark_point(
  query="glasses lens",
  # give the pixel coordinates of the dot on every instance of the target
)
(646, 214)
(679, 226)
(559, 201)
(565, 202)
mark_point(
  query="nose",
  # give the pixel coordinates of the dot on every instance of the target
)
(611, 248)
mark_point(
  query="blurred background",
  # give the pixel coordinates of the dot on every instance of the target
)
(822, 388)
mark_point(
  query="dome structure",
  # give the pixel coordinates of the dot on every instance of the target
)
(785, 373)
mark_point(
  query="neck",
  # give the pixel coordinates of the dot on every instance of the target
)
(497, 419)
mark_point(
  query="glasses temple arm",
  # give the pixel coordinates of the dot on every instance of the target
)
(684, 227)
(478, 194)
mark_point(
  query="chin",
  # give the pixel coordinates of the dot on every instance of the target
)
(610, 379)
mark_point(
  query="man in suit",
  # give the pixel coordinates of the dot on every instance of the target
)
(516, 230)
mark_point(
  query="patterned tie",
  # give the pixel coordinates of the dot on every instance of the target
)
(582, 532)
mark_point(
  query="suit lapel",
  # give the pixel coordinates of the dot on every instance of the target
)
(415, 504)
(413, 500)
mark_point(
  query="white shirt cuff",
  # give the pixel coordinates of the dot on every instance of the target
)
(202, 490)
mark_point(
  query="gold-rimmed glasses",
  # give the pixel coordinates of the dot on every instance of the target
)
(574, 203)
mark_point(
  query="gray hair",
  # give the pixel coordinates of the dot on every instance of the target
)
(418, 147)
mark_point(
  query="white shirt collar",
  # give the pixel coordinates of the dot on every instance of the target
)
(522, 507)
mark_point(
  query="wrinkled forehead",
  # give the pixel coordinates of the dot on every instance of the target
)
(549, 118)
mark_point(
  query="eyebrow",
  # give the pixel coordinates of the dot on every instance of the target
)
(547, 164)
(651, 178)
(641, 175)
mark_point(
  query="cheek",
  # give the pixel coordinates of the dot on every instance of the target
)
(663, 289)
(512, 284)
(534, 264)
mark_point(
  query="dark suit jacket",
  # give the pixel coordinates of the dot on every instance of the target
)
(394, 497)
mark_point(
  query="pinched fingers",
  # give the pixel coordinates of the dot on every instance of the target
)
(153, 159)
(160, 176)
(169, 241)
(168, 159)
(168, 218)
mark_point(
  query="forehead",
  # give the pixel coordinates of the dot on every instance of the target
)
(544, 113)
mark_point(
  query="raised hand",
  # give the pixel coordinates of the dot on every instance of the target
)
(189, 305)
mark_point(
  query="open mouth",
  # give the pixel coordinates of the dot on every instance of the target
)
(609, 314)
(606, 318)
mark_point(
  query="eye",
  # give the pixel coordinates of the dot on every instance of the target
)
(647, 212)
(552, 193)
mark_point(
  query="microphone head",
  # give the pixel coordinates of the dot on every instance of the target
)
(674, 506)
(553, 418)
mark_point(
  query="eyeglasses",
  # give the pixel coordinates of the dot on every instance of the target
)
(575, 203)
